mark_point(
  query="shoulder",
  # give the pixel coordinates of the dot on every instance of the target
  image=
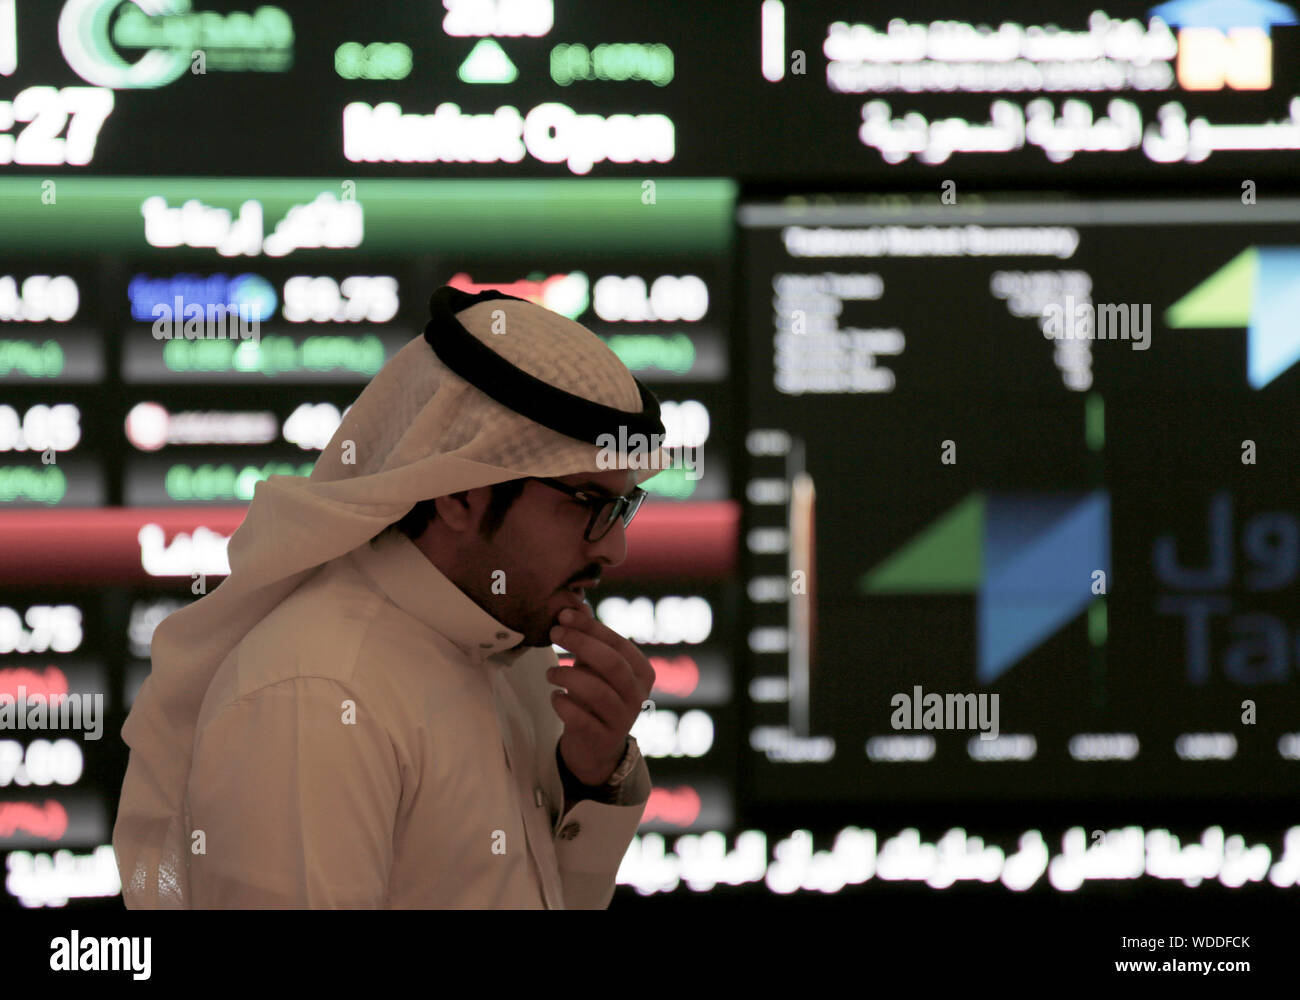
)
(318, 631)
(336, 626)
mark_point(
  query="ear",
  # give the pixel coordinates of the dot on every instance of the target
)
(463, 510)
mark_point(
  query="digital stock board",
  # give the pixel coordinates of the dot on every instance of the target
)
(976, 342)
(1005, 509)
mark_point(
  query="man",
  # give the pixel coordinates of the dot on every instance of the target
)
(368, 711)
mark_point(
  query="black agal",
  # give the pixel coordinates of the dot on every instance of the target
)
(512, 387)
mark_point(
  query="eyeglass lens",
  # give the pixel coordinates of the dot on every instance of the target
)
(607, 516)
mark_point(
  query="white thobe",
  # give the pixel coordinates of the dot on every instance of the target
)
(374, 742)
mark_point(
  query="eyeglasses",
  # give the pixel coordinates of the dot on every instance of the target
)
(605, 510)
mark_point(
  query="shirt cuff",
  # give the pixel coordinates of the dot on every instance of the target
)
(576, 791)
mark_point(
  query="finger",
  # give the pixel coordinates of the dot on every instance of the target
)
(639, 665)
(571, 666)
(589, 624)
(593, 694)
(598, 657)
(576, 716)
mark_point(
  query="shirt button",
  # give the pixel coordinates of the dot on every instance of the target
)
(503, 635)
(570, 830)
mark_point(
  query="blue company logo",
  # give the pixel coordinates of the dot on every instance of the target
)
(250, 291)
(1031, 560)
(1229, 631)
(1260, 290)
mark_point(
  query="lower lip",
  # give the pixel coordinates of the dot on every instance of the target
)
(575, 598)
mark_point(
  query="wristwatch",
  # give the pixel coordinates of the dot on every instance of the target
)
(625, 766)
(609, 791)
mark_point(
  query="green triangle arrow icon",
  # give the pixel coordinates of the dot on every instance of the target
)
(487, 62)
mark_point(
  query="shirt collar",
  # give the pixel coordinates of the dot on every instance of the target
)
(418, 587)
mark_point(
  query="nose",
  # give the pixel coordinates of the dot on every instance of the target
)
(612, 549)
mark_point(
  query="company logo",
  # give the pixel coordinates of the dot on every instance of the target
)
(1213, 579)
(250, 295)
(1224, 43)
(93, 33)
(1260, 290)
(151, 426)
(1032, 559)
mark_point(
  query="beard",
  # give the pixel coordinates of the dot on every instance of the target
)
(533, 620)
